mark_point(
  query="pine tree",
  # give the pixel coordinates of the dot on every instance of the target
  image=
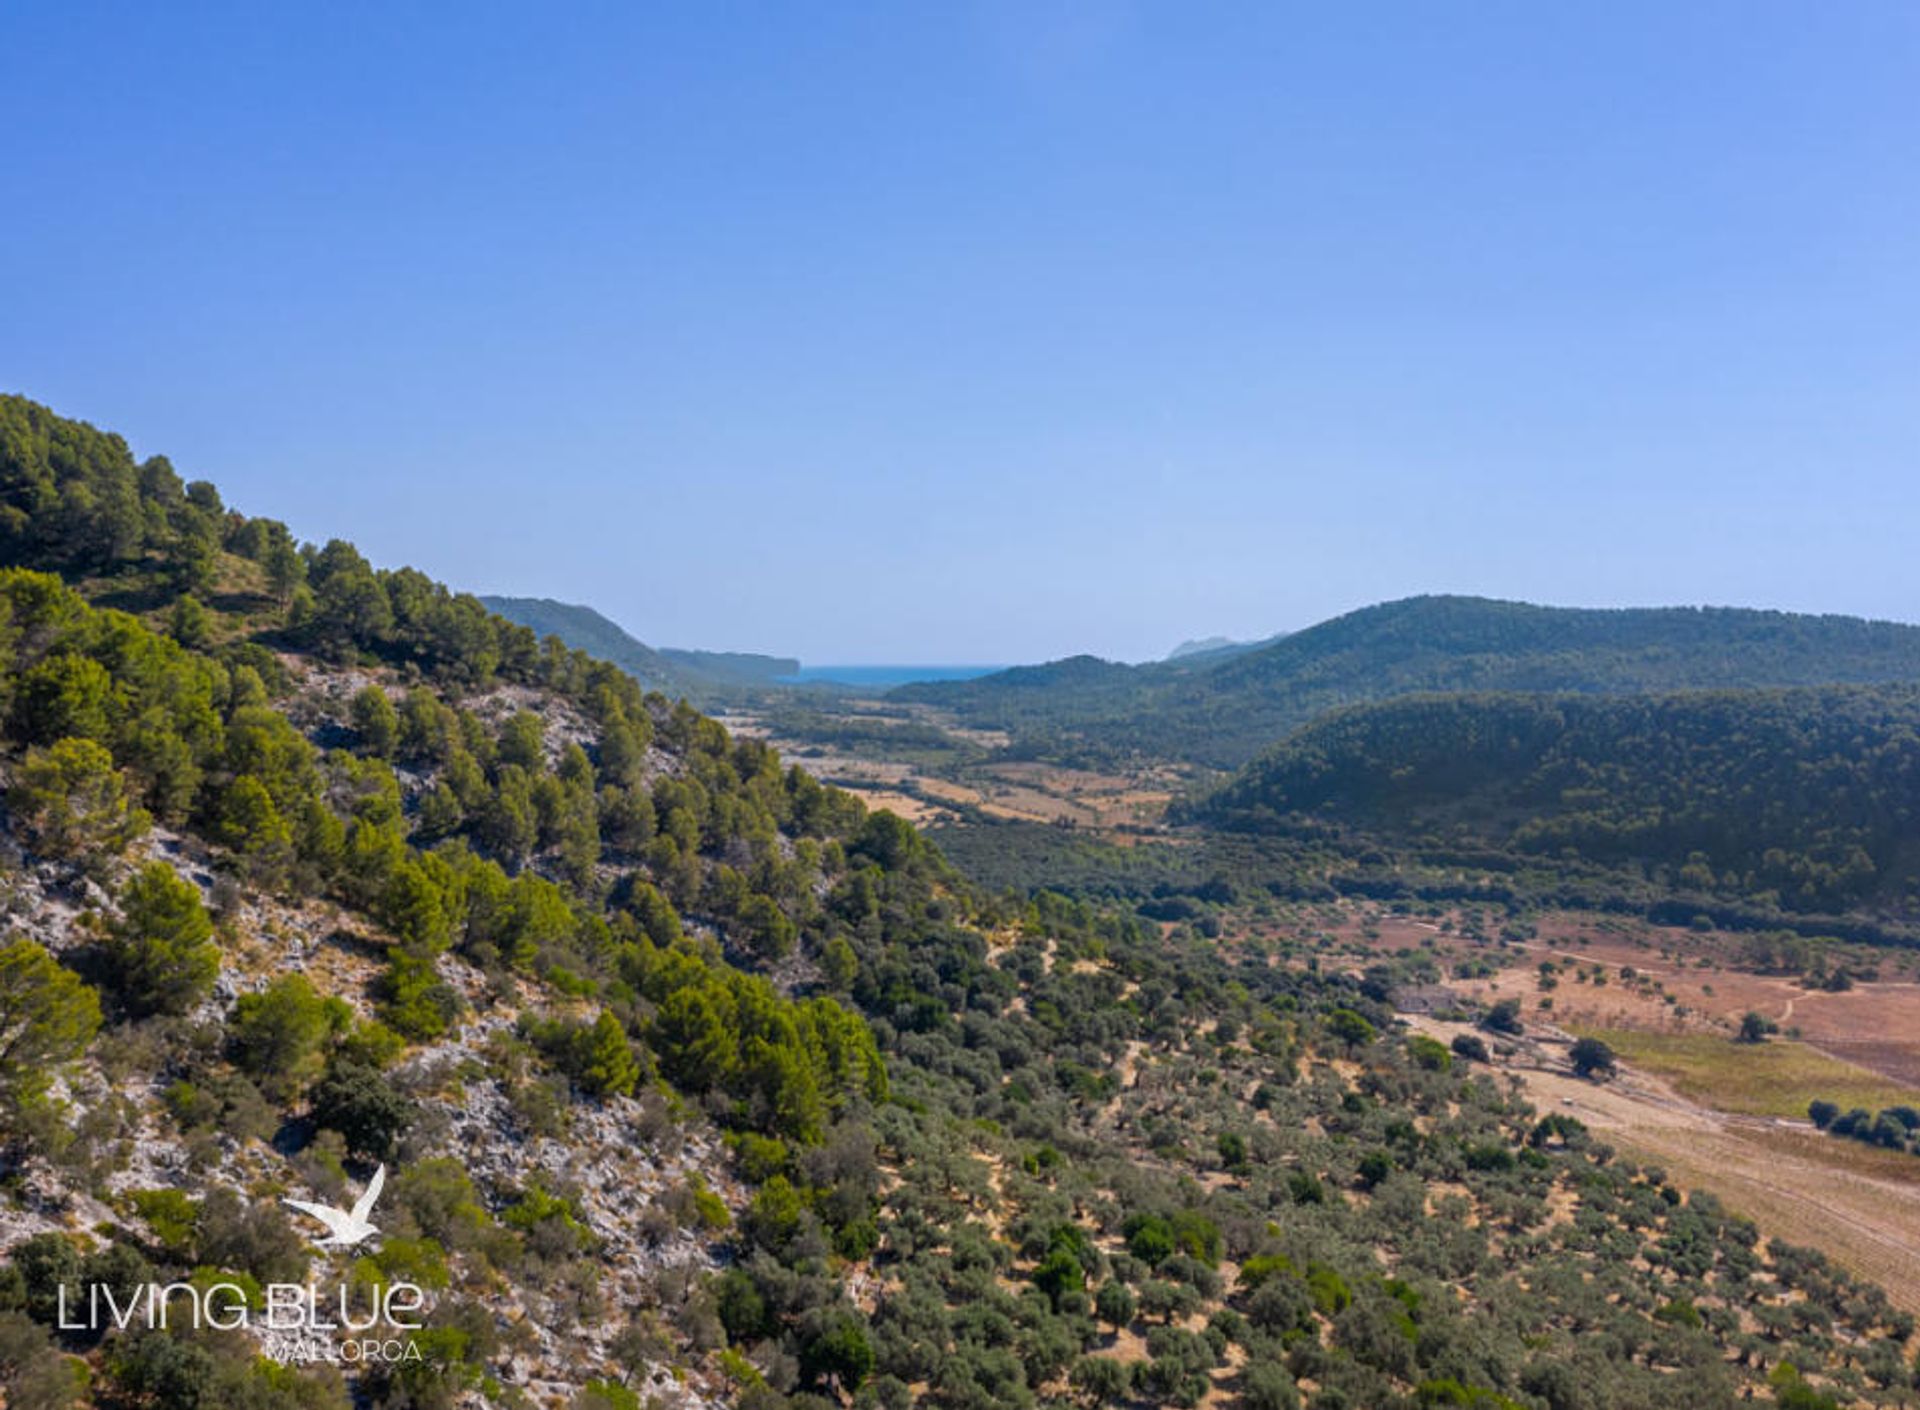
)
(161, 953)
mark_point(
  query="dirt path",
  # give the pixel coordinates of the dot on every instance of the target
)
(1859, 1206)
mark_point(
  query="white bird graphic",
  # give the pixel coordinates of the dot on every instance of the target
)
(345, 1228)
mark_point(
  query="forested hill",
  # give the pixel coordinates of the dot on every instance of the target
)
(1809, 797)
(1223, 713)
(695, 674)
(698, 1084)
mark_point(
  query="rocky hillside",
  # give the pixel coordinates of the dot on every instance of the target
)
(687, 1081)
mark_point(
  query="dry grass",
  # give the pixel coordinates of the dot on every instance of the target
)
(1776, 1078)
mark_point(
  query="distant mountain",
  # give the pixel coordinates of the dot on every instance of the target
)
(1203, 647)
(1809, 797)
(1216, 648)
(1223, 710)
(672, 670)
(739, 667)
(586, 630)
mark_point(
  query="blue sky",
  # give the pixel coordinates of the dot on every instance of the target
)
(999, 331)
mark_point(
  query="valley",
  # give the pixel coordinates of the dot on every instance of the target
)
(846, 1050)
(920, 762)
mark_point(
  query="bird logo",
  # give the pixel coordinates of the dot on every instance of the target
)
(346, 1227)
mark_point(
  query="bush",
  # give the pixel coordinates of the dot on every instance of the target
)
(1503, 1017)
(1593, 1058)
(275, 1035)
(1471, 1047)
(359, 1103)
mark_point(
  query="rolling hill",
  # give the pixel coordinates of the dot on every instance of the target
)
(1807, 797)
(1223, 712)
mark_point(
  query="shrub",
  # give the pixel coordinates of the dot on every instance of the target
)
(1471, 1047)
(366, 1109)
(1593, 1058)
(1503, 1017)
(275, 1035)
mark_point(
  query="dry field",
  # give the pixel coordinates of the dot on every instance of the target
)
(1118, 806)
(1859, 1205)
(1776, 1078)
(1718, 1115)
(1681, 982)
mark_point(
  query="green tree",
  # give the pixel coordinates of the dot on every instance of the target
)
(838, 1352)
(48, 1015)
(375, 721)
(523, 742)
(1350, 1028)
(190, 623)
(1059, 1274)
(1591, 1057)
(1471, 1046)
(65, 695)
(601, 1059)
(36, 1375)
(161, 955)
(413, 907)
(414, 1000)
(1114, 1304)
(1233, 1150)
(286, 569)
(1754, 1028)
(73, 800)
(839, 964)
(1102, 1380)
(276, 1034)
(251, 825)
(1503, 1017)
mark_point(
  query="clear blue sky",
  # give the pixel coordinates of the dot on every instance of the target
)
(994, 332)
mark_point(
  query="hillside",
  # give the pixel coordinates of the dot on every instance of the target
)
(698, 1084)
(698, 675)
(1809, 798)
(586, 630)
(1222, 712)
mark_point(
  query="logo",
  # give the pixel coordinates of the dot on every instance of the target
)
(345, 1227)
(294, 1322)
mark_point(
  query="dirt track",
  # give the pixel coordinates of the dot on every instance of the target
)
(1859, 1206)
